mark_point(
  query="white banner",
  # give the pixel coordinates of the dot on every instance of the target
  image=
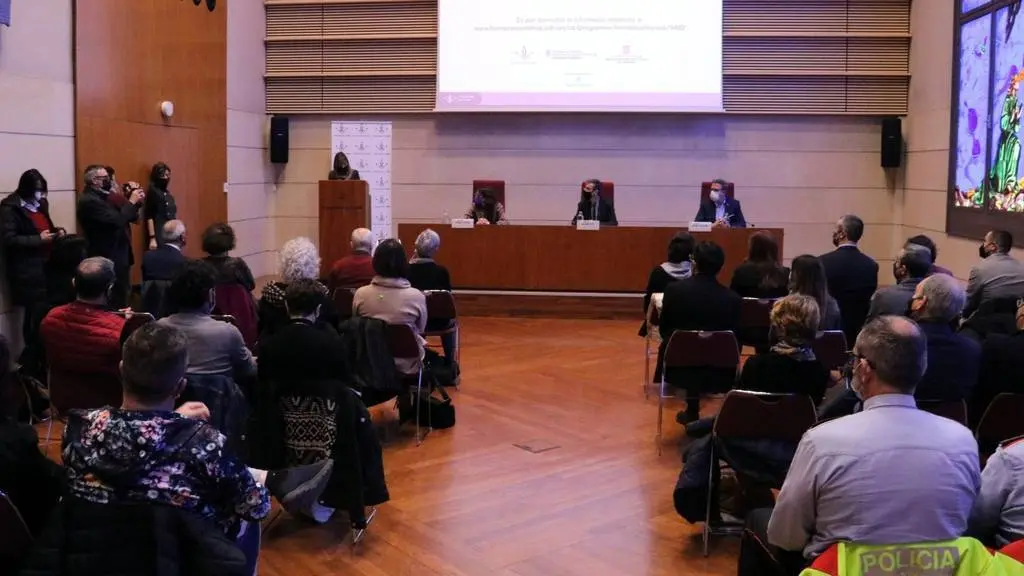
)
(368, 147)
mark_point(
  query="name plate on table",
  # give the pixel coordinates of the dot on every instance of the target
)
(463, 223)
(588, 224)
(699, 227)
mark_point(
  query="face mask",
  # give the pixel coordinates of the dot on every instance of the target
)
(716, 196)
(896, 273)
(982, 252)
(164, 182)
(854, 385)
(38, 196)
(106, 185)
(478, 202)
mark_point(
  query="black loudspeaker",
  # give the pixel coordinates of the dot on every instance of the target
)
(892, 142)
(279, 139)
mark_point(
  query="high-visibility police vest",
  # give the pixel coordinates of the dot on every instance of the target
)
(959, 557)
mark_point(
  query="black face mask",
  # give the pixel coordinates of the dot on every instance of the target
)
(982, 252)
(589, 196)
(106, 184)
(163, 182)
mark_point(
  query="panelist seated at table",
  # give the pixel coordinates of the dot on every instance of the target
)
(593, 207)
(486, 209)
(720, 209)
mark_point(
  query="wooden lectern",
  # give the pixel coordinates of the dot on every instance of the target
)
(344, 206)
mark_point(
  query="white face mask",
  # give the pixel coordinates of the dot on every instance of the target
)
(38, 196)
(716, 196)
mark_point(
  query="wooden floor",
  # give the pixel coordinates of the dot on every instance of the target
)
(593, 498)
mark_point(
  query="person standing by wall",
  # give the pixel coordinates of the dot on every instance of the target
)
(160, 205)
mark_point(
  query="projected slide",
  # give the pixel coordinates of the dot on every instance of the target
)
(583, 55)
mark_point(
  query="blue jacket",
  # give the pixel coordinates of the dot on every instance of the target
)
(733, 212)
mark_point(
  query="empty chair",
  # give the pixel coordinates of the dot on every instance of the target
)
(831, 350)
(342, 298)
(235, 301)
(403, 344)
(441, 310)
(955, 410)
(1001, 421)
(755, 314)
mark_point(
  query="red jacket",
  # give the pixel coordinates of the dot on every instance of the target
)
(353, 271)
(83, 345)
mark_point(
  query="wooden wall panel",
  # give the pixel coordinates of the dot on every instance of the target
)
(129, 57)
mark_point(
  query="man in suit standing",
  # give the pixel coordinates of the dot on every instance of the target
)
(699, 302)
(998, 276)
(911, 267)
(723, 211)
(852, 276)
(165, 261)
(104, 226)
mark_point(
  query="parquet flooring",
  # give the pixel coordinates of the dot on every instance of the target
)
(595, 499)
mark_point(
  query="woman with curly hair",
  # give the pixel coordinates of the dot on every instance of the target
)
(299, 261)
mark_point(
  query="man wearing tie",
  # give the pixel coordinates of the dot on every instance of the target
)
(722, 211)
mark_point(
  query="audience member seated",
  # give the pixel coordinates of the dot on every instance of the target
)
(391, 298)
(699, 302)
(83, 339)
(998, 276)
(426, 274)
(807, 277)
(218, 241)
(852, 275)
(953, 359)
(486, 209)
(32, 481)
(1001, 368)
(676, 267)
(789, 366)
(299, 261)
(890, 474)
(998, 514)
(922, 240)
(309, 412)
(356, 269)
(218, 360)
(163, 262)
(761, 275)
(912, 265)
(144, 451)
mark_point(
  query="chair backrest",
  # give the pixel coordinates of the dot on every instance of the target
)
(343, 301)
(133, 323)
(830, 349)
(692, 349)
(16, 537)
(440, 305)
(402, 341)
(705, 191)
(1002, 419)
(497, 185)
(758, 415)
(955, 410)
(71, 390)
(154, 297)
(756, 312)
(234, 300)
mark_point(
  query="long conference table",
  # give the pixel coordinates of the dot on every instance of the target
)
(563, 259)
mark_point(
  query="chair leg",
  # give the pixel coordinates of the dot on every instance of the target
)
(359, 533)
(418, 405)
(661, 407)
(647, 367)
(707, 513)
(49, 428)
(458, 354)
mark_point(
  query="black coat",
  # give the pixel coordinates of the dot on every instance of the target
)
(162, 263)
(24, 251)
(605, 212)
(953, 364)
(160, 208)
(144, 539)
(104, 226)
(698, 303)
(733, 211)
(306, 364)
(429, 275)
(852, 280)
(752, 280)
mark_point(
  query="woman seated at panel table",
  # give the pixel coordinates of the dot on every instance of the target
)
(761, 275)
(486, 209)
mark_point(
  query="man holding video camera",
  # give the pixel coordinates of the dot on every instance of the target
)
(105, 225)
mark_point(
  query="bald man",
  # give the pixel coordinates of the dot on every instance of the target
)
(356, 269)
(165, 261)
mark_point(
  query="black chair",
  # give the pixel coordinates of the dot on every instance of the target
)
(1001, 421)
(955, 410)
(403, 344)
(693, 349)
(650, 335)
(755, 321)
(747, 415)
(343, 302)
(831, 350)
(16, 539)
(441, 307)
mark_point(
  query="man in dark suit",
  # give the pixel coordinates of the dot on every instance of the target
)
(164, 262)
(953, 359)
(997, 277)
(723, 211)
(592, 207)
(699, 302)
(104, 226)
(852, 276)
(912, 265)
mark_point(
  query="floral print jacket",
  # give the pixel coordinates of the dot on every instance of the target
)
(116, 455)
